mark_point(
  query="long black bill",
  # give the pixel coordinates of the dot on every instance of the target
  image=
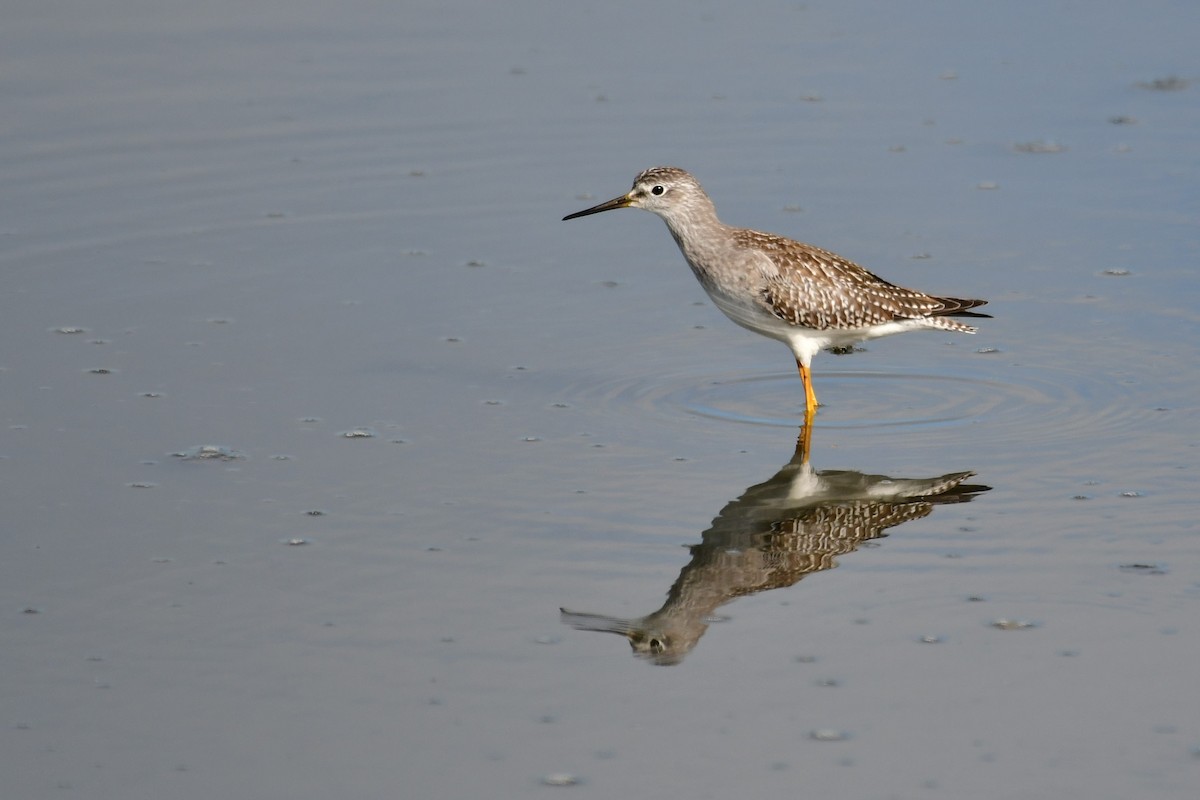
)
(617, 202)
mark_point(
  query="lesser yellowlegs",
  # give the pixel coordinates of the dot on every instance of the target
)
(808, 298)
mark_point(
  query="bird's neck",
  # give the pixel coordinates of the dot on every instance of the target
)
(701, 238)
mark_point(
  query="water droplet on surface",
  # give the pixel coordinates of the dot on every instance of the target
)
(361, 432)
(829, 735)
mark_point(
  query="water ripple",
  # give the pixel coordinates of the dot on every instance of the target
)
(1048, 406)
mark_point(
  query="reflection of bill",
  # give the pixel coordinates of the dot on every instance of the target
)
(777, 532)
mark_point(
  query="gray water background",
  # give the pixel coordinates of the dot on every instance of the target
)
(262, 226)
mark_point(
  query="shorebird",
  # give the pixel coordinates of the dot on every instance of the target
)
(808, 298)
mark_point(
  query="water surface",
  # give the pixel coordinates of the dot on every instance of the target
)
(316, 414)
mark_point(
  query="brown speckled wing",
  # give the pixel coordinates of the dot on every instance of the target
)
(817, 289)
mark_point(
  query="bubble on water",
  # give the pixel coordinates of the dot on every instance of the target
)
(1005, 624)
(209, 452)
(1144, 569)
(829, 735)
(1039, 146)
(1171, 83)
(561, 779)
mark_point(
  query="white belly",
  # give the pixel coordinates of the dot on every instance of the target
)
(804, 342)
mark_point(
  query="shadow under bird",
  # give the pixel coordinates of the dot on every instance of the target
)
(808, 298)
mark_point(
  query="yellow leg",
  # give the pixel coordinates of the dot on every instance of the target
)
(810, 397)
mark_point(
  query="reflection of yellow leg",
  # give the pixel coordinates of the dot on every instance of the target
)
(804, 440)
(810, 397)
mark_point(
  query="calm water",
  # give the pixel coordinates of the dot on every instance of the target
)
(316, 414)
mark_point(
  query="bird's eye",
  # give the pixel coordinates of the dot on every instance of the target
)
(657, 190)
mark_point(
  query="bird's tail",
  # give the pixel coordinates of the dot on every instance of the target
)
(957, 307)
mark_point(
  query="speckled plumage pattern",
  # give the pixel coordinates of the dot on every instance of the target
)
(804, 296)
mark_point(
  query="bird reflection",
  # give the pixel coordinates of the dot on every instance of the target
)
(778, 531)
